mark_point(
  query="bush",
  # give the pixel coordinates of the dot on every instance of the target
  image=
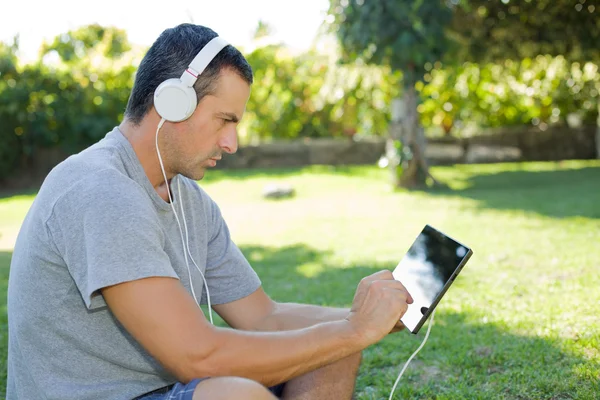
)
(69, 105)
(309, 95)
(540, 91)
(10, 140)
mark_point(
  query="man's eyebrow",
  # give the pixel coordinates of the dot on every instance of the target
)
(230, 116)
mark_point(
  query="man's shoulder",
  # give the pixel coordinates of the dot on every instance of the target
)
(77, 187)
(90, 161)
(79, 174)
(98, 171)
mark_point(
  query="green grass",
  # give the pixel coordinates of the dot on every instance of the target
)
(520, 322)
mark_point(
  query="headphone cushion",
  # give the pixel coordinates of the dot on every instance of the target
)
(174, 101)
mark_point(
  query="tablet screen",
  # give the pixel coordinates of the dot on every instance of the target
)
(426, 269)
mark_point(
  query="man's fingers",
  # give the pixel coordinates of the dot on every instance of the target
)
(385, 279)
(379, 275)
(386, 275)
(409, 299)
(395, 285)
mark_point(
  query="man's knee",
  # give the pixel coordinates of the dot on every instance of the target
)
(226, 388)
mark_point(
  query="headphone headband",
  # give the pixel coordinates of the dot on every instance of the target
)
(202, 59)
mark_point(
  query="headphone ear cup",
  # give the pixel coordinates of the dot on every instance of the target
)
(174, 101)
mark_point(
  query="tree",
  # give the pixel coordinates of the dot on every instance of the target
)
(404, 35)
(518, 30)
(80, 44)
(11, 143)
(509, 29)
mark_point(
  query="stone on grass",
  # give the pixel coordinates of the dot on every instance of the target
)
(278, 191)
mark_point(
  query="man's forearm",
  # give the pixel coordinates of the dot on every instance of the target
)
(275, 357)
(288, 316)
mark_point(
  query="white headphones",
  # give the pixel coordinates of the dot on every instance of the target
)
(175, 99)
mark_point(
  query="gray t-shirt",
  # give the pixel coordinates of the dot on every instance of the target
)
(97, 221)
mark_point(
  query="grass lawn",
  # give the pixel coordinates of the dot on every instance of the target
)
(521, 321)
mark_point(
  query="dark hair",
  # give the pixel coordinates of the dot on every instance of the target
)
(170, 55)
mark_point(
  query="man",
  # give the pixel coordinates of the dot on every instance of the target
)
(102, 298)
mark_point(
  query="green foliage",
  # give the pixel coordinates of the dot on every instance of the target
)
(68, 105)
(540, 91)
(402, 34)
(510, 29)
(79, 87)
(406, 34)
(506, 62)
(78, 45)
(10, 142)
(308, 95)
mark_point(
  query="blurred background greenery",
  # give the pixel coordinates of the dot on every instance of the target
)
(474, 64)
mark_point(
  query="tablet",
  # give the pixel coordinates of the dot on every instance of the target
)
(427, 270)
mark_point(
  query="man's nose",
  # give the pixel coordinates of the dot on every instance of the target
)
(229, 141)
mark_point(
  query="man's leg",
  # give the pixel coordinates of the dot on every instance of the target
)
(231, 388)
(334, 381)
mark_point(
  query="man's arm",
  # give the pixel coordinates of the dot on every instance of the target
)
(259, 312)
(166, 321)
(287, 316)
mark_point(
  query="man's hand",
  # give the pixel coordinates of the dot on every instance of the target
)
(379, 303)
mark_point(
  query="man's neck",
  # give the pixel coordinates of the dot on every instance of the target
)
(142, 139)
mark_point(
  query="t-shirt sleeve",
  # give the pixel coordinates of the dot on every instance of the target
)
(108, 234)
(228, 273)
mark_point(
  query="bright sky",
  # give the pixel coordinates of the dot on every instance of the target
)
(293, 22)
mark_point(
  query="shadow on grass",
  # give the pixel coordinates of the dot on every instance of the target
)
(6, 193)
(5, 257)
(561, 193)
(464, 357)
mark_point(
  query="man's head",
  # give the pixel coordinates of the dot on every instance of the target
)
(222, 89)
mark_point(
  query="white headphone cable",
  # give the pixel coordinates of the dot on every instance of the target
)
(183, 241)
(190, 253)
(413, 355)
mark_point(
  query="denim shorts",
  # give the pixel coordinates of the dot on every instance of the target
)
(180, 391)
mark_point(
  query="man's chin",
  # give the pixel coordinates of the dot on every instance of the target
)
(195, 175)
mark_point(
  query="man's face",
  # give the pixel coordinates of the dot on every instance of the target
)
(199, 142)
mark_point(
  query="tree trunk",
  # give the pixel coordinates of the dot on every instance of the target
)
(406, 144)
